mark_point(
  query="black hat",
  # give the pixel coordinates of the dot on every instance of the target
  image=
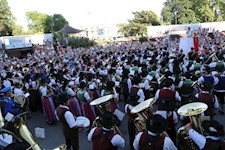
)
(168, 82)
(213, 128)
(206, 86)
(157, 124)
(83, 84)
(108, 120)
(63, 98)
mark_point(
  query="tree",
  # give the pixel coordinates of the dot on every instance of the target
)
(43, 23)
(58, 22)
(17, 30)
(6, 19)
(138, 25)
(178, 12)
(37, 22)
(193, 11)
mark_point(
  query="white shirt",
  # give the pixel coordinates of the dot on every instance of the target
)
(7, 83)
(164, 114)
(129, 83)
(68, 116)
(168, 144)
(199, 139)
(70, 92)
(18, 91)
(201, 79)
(117, 140)
(43, 91)
(177, 96)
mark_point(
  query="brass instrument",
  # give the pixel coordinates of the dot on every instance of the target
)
(144, 111)
(19, 99)
(102, 104)
(23, 132)
(196, 84)
(213, 55)
(193, 111)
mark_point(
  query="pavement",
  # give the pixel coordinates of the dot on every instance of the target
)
(54, 136)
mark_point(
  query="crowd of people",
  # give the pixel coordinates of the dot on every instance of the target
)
(63, 82)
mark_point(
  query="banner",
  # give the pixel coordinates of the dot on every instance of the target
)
(17, 42)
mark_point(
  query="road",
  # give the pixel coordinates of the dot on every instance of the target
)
(54, 136)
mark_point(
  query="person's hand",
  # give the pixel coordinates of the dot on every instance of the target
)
(187, 127)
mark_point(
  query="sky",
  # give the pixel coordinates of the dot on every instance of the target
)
(85, 12)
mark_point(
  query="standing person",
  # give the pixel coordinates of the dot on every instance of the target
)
(47, 102)
(213, 129)
(70, 129)
(219, 91)
(84, 98)
(104, 138)
(131, 118)
(208, 98)
(155, 137)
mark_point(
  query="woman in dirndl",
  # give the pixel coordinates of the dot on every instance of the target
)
(47, 102)
(84, 98)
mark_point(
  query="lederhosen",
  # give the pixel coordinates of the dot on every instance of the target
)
(167, 93)
(149, 142)
(71, 134)
(209, 100)
(131, 126)
(102, 140)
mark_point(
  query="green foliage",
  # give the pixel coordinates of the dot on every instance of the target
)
(193, 11)
(143, 39)
(37, 21)
(18, 30)
(43, 23)
(6, 19)
(138, 25)
(58, 22)
(81, 42)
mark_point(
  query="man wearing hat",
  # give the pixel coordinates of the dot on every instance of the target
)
(155, 137)
(212, 141)
(168, 93)
(70, 129)
(206, 97)
(104, 138)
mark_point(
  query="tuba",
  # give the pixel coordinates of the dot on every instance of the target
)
(193, 111)
(22, 132)
(144, 111)
(102, 104)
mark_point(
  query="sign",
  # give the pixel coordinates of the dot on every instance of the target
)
(17, 42)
